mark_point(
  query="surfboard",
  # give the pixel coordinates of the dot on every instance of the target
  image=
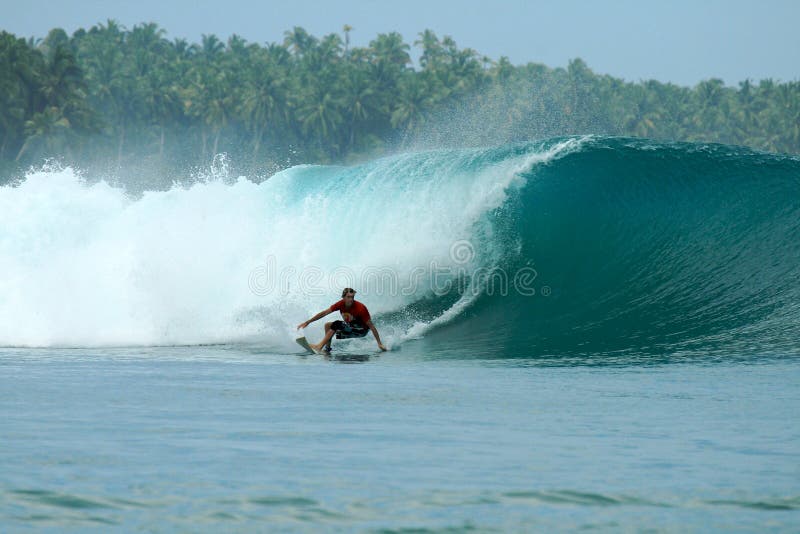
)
(303, 342)
(344, 357)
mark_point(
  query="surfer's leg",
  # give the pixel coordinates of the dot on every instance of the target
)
(329, 329)
(325, 340)
(329, 332)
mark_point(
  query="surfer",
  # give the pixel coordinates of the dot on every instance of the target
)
(355, 321)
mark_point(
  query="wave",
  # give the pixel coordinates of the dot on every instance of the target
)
(580, 245)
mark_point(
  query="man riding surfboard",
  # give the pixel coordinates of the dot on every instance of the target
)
(355, 321)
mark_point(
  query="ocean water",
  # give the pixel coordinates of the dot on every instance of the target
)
(586, 333)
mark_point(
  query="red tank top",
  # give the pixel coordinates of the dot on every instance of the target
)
(356, 312)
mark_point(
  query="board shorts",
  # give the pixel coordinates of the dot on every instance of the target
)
(346, 330)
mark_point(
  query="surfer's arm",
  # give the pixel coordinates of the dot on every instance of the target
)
(375, 333)
(320, 315)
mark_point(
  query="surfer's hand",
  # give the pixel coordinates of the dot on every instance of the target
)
(302, 325)
(380, 346)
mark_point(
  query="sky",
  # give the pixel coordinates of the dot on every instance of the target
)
(679, 41)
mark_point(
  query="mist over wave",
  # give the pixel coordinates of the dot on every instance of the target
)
(623, 244)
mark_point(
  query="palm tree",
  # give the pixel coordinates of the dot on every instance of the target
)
(299, 41)
(413, 103)
(788, 105)
(162, 100)
(320, 112)
(210, 48)
(56, 38)
(48, 128)
(264, 97)
(109, 77)
(347, 29)
(215, 107)
(503, 69)
(711, 102)
(432, 51)
(62, 78)
(642, 117)
(62, 90)
(17, 87)
(361, 101)
(389, 48)
(210, 96)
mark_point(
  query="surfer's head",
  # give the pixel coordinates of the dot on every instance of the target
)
(349, 295)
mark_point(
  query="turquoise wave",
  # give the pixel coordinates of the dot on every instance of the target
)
(567, 246)
(644, 247)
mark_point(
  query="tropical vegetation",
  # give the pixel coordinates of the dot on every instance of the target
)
(117, 98)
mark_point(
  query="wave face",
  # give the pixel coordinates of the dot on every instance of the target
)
(567, 246)
(654, 248)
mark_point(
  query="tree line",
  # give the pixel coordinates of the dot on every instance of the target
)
(119, 97)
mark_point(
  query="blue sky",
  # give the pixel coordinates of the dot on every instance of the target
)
(679, 40)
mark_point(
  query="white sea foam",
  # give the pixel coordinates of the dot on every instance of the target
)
(85, 265)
